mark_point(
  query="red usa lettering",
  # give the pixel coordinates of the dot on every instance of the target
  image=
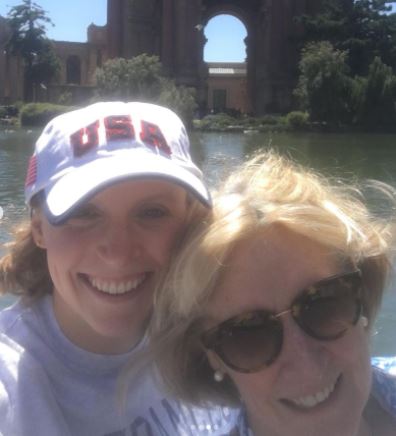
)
(152, 135)
(117, 127)
(85, 139)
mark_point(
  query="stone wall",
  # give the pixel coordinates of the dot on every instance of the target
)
(76, 78)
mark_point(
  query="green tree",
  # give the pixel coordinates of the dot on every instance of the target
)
(363, 28)
(28, 40)
(376, 98)
(138, 78)
(324, 88)
(141, 78)
(179, 98)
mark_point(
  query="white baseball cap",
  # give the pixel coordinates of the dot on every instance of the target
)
(84, 151)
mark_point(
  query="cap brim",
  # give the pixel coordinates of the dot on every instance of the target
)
(82, 183)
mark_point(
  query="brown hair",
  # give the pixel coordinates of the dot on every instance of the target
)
(23, 270)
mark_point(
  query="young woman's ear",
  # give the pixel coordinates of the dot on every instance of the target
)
(36, 222)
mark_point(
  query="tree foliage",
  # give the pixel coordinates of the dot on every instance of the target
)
(179, 98)
(138, 78)
(324, 87)
(27, 22)
(347, 66)
(328, 91)
(376, 97)
(363, 28)
(141, 79)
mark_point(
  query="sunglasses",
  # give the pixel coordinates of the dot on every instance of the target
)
(253, 340)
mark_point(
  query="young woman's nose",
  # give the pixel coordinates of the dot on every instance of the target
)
(120, 244)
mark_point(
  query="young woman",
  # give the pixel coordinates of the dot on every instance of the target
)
(270, 305)
(111, 189)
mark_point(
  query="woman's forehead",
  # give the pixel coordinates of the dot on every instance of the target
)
(269, 269)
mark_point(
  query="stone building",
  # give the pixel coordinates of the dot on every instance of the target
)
(227, 88)
(79, 61)
(173, 30)
(76, 79)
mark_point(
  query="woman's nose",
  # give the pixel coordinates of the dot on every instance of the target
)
(300, 353)
(119, 245)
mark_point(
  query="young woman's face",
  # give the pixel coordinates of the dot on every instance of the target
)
(313, 387)
(104, 261)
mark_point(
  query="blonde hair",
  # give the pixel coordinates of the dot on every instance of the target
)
(267, 190)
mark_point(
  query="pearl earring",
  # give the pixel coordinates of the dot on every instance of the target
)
(39, 243)
(218, 376)
(364, 321)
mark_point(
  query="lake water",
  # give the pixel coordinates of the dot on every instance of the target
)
(349, 156)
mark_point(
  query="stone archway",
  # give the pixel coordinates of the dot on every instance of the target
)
(172, 29)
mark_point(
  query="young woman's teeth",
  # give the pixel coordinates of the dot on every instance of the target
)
(116, 288)
(314, 400)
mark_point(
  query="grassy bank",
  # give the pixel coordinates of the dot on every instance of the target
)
(30, 114)
(222, 122)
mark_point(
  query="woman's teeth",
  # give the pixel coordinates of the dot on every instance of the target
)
(314, 400)
(116, 287)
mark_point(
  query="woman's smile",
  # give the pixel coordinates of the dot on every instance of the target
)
(105, 259)
(312, 401)
(311, 382)
(115, 287)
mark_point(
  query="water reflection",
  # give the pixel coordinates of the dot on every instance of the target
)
(15, 149)
(340, 155)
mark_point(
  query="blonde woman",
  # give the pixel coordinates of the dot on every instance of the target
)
(271, 304)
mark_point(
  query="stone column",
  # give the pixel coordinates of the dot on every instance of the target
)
(260, 56)
(188, 40)
(167, 58)
(143, 23)
(114, 27)
(276, 56)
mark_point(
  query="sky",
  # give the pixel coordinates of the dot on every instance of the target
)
(71, 18)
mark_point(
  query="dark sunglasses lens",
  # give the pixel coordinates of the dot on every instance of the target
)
(334, 308)
(252, 344)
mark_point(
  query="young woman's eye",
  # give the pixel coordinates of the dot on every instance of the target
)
(83, 216)
(153, 213)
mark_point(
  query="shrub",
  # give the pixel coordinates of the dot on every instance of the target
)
(270, 120)
(180, 99)
(219, 121)
(248, 121)
(297, 119)
(39, 114)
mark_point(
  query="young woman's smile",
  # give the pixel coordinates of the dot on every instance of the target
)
(115, 287)
(105, 258)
